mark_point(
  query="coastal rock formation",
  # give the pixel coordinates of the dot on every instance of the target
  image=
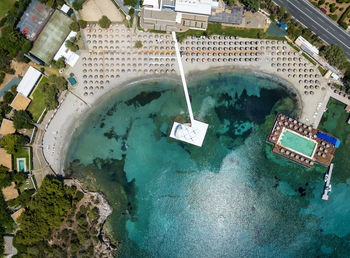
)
(105, 246)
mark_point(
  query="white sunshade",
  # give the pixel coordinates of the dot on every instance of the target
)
(65, 8)
(29, 81)
(70, 57)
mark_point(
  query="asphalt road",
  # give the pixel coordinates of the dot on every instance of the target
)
(318, 22)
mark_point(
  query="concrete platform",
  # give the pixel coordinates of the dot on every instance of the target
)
(193, 134)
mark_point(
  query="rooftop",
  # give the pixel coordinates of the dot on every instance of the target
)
(34, 19)
(20, 102)
(9, 249)
(70, 57)
(10, 192)
(52, 37)
(17, 213)
(29, 81)
(231, 15)
(7, 127)
(5, 159)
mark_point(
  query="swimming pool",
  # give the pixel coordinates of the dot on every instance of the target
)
(21, 165)
(8, 86)
(297, 143)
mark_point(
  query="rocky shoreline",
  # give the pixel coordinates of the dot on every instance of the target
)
(106, 246)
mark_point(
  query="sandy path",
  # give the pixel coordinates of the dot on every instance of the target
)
(93, 10)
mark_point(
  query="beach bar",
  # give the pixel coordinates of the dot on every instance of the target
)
(301, 143)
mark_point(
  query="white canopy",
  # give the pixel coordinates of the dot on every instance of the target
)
(29, 81)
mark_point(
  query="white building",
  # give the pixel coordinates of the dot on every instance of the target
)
(69, 56)
(306, 45)
(29, 81)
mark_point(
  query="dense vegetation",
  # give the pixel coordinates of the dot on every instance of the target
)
(335, 55)
(12, 43)
(56, 224)
(7, 225)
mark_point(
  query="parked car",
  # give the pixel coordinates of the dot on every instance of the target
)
(323, 10)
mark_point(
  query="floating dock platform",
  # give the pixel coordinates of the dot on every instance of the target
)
(327, 186)
(301, 143)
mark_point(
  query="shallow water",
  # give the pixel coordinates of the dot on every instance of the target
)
(230, 198)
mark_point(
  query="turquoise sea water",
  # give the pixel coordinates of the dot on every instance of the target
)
(230, 198)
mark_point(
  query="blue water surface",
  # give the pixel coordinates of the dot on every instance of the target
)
(230, 198)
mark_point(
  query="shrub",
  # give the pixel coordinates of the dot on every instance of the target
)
(104, 22)
(138, 44)
(74, 26)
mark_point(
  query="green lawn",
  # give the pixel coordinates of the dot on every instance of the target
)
(22, 153)
(37, 105)
(5, 6)
(218, 29)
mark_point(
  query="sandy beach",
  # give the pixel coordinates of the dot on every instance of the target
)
(113, 64)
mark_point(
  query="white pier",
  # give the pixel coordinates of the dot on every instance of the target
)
(328, 186)
(193, 133)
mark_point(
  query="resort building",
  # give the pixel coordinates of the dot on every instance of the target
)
(29, 81)
(181, 15)
(5, 159)
(20, 102)
(10, 192)
(300, 143)
(7, 127)
(34, 19)
(70, 57)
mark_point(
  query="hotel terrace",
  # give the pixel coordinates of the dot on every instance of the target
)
(300, 143)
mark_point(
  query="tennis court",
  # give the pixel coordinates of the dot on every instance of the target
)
(52, 37)
(297, 143)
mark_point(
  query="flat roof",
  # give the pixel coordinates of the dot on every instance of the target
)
(10, 192)
(52, 37)
(20, 102)
(7, 127)
(70, 57)
(5, 159)
(34, 19)
(193, 6)
(17, 213)
(29, 81)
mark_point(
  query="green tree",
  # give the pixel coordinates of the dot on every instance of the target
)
(104, 22)
(58, 82)
(8, 97)
(22, 120)
(82, 24)
(74, 26)
(253, 5)
(59, 64)
(131, 11)
(13, 142)
(335, 55)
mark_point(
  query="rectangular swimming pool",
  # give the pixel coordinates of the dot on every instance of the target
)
(297, 143)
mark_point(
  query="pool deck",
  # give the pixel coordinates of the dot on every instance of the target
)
(323, 153)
